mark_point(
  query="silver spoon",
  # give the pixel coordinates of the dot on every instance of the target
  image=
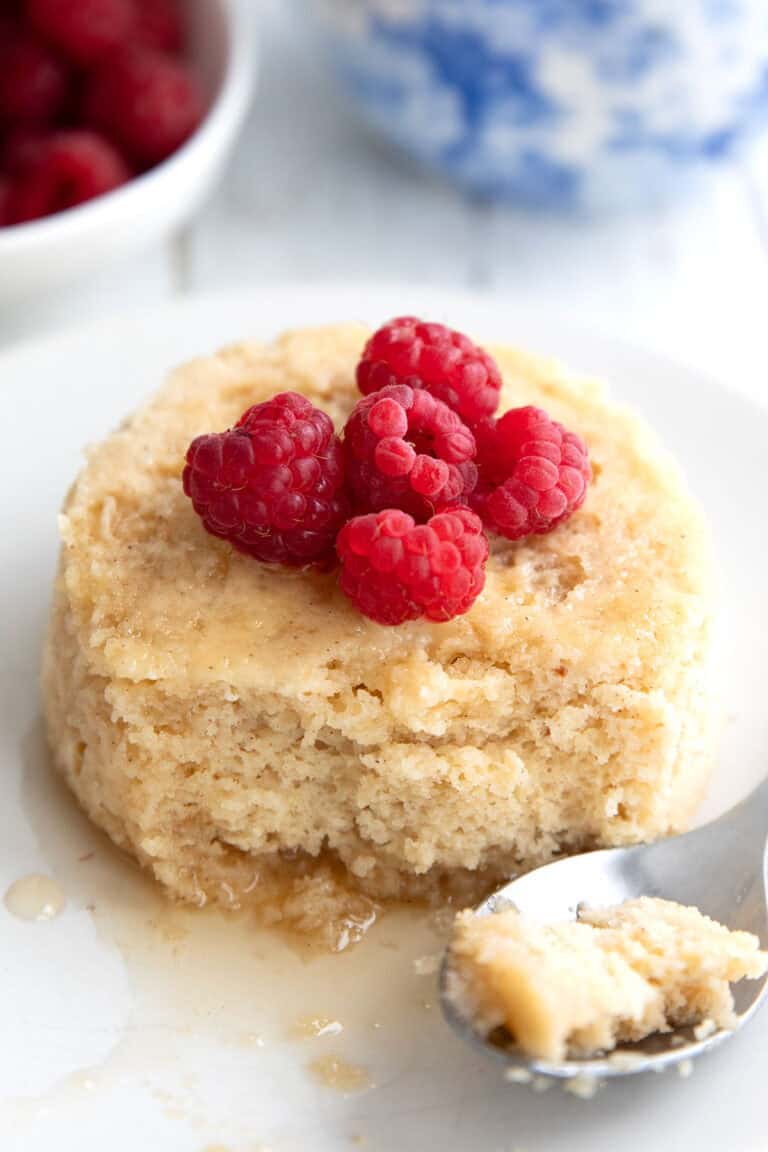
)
(721, 868)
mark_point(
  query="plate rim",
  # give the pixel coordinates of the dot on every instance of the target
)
(121, 323)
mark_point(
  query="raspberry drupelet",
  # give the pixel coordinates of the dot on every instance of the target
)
(34, 83)
(444, 362)
(406, 449)
(159, 25)
(533, 473)
(395, 570)
(273, 484)
(5, 202)
(21, 148)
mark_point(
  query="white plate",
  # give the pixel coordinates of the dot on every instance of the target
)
(129, 1024)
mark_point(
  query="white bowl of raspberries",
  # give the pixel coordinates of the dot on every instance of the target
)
(116, 117)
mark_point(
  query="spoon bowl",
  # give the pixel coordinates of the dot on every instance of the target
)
(720, 868)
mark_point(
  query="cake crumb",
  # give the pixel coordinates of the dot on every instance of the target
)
(706, 1028)
(518, 1075)
(335, 1072)
(684, 1069)
(541, 1084)
(584, 1087)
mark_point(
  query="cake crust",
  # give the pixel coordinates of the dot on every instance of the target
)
(222, 719)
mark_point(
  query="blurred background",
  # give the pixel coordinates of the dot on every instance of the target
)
(599, 160)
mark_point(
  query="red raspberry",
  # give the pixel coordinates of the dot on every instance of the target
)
(405, 449)
(273, 484)
(145, 101)
(72, 167)
(84, 30)
(446, 363)
(395, 570)
(160, 26)
(33, 83)
(533, 473)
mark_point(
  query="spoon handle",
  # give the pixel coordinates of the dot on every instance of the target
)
(751, 814)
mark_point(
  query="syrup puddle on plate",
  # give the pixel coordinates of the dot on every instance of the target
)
(34, 897)
(221, 1017)
(315, 1028)
(337, 1073)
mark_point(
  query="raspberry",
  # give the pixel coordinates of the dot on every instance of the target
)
(273, 484)
(431, 356)
(33, 83)
(72, 167)
(395, 570)
(533, 473)
(146, 102)
(405, 449)
(159, 25)
(83, 30)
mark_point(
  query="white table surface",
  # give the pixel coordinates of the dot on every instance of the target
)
(310, 196)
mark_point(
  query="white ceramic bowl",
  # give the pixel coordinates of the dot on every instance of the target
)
(46, 255)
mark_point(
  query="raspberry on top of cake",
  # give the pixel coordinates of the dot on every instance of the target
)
(282, 487)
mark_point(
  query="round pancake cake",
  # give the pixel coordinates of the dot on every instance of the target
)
(252, 738)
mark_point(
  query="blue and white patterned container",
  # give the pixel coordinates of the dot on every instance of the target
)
(561, 103)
